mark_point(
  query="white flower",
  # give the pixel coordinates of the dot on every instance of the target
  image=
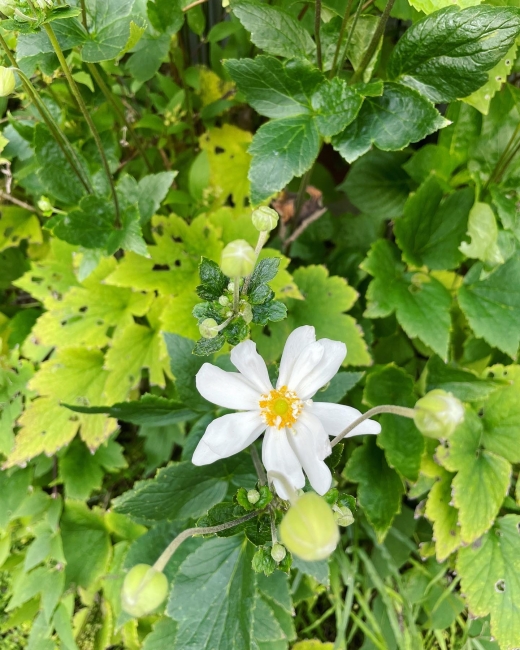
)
(297, 429)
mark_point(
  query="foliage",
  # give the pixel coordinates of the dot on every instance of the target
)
(137, 141)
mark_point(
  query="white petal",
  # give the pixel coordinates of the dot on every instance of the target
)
(227, 389)
(307, 385)
(298, 339)
(228, 435)
(337, 417)
(278, 456)
(311, 445)
(246, 359)
(308, 359)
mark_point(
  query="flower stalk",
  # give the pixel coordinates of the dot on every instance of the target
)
(403, 411)
(372, 47)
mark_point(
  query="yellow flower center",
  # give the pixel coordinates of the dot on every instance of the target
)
(280, 408)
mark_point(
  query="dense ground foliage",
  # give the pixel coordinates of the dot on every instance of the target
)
(136, 139)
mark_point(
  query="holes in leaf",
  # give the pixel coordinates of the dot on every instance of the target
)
(481, 412)
(82, 310)
(160, 267)
(177, 240)
(177, 263)
(500, 586)
(219, 149)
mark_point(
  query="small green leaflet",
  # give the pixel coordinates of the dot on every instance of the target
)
(444, 517)
(492, 304)
(421, 303)
(447, 54)
(390, 122)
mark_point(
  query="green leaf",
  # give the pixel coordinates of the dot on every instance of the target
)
(492, 305)
(444, 517)
(501, 416)
(274, 311)
(380, 489)
(482, 479)
(206, 347)
(180, 491)
(274, 30)
(338, 387)
(420, 302)
(281, 149)
(80, 472)
(377, 184)
(265, 271)
(464, 384)
(319, 569)
(152, 410)
(149, 193)
(54, 171)
(489, 571)
(390, 122)
(431, 230)
(214, 282)
(273, 88)
(336, 105)
(162, 636)
(107, 30)
(221, 570)
(447, 54)
(399, 437)
(17, 224)
(483, 231)
(84, 536)
(165, 15)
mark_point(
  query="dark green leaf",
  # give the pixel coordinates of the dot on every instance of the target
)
(205, 347)
(335, 104)
(263, 562)
(390, 122)
(271, 311)
(447, 54)
(165, 15)
(465, 385)
(260, 294)
(214, 282)
(264, 271)
(338, 387)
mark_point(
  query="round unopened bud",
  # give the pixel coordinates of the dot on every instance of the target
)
(144, 589)
(309, 529)
(224, 301)
(343, 515)
(253, 496)
(238, 259)
(45, 205)
(7, 81)
(438, 414)
(246, 311)
(278, 552)
(265, 219)
(208, 328)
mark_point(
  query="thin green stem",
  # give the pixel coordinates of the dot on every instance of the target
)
(340, 38)
(259, 468)
(236, 294)
(262, 239)
(505, 159)
(301, 192)
(351, 33)
(317, 35)
(84, 110)
(61, 139)
(372, 47)
(83, 13)
(121, 115)
(165, 556)
(386, 408)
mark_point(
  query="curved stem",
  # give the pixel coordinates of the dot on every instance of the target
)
(262, 239)
(165, 556)
(110, 98)
(82, 107)
(374, 42)
(259, 468)
(387, 408)
(317, 36)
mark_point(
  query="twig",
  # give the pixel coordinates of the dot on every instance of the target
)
(22, 204)
(387, 408)
(165, 556)
(303, 226)
(380, 29)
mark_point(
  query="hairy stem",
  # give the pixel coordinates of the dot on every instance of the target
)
(121, 115)
(84, 110)
(262, 239)
(386, 408)
(372, 47)
(259, 468)
(317, 35)
(340, 38)
(236, 294)
(165, 556)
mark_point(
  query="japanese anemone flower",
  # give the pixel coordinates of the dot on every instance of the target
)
(297, 428)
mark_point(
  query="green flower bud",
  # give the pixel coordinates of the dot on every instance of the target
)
(438, 414)
(224, 301)
(209, 328)
(309, 529)
(238, 259)
(144, 589)
(278, 552)
(265, 219)
(45, 205)
(7, 81)
(343, 515)
(246, 311)
(253, 496)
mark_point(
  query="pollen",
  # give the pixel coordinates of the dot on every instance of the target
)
(280, 408)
